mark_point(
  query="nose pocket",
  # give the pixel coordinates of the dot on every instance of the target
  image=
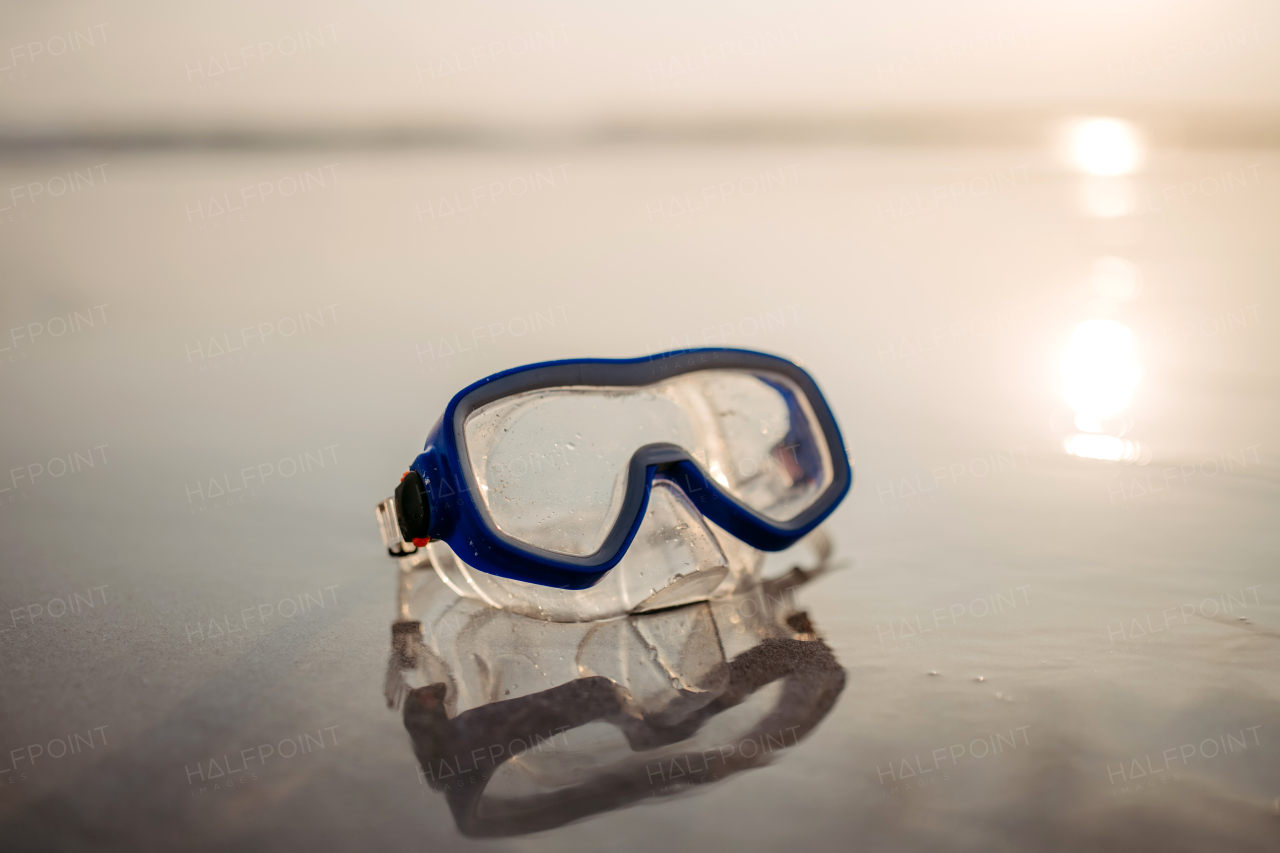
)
(674, 559)
(678, 559)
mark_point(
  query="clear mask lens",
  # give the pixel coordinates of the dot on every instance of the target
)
(551, 464)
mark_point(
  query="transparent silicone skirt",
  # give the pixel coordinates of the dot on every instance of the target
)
(678, 558)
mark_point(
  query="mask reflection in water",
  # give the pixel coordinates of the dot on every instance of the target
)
(524, 725)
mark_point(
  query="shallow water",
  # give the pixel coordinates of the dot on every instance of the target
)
(1089, 621)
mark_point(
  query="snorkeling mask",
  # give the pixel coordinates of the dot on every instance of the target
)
(543, 474)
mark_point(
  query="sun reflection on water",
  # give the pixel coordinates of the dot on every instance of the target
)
(1100, 374)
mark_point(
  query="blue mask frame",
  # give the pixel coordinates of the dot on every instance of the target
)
(450, 512)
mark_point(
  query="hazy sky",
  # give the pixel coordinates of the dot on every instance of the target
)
(242, 63)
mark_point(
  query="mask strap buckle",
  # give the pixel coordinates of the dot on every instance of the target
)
(389, 526)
